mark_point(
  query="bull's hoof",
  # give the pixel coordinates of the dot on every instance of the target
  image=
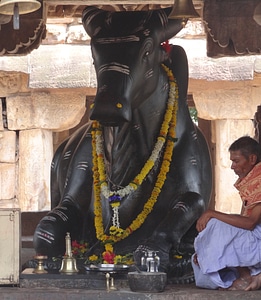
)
(46, 242)
(186, 279)
(180, 271)
(49, 236)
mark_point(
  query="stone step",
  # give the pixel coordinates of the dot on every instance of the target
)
(174, 292)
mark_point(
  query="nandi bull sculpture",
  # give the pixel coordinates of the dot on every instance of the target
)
(138, 177)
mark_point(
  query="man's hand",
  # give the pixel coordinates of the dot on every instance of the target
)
(248, 223)
(203, 220)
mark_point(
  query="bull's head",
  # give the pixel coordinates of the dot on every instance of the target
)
(127, 53)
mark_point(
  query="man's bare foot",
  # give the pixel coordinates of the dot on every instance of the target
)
(255, 283)
(239, 284)
(243, 281)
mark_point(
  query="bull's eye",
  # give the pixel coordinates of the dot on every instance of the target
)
(147, 48)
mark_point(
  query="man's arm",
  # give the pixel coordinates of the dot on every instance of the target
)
(248, 223)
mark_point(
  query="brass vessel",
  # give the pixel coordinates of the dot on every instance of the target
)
(40, 267)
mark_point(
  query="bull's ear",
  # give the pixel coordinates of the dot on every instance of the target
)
(92, 19)
(171, 26)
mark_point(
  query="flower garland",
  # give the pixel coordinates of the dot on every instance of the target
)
(166, 137)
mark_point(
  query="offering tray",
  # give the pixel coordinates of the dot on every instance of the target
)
(108, 268)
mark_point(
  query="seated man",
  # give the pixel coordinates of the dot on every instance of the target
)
(228, 246)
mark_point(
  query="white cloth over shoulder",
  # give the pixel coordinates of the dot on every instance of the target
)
(220, 248)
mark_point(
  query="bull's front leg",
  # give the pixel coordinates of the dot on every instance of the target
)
(170, 235)
(69, 215)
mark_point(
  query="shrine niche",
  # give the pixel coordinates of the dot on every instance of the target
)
(31, 32)
(231, 29)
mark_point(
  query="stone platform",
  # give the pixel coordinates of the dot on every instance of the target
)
(81, 280)
(82, 286)
(50, 290)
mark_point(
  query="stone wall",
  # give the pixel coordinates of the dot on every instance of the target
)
(28, 119)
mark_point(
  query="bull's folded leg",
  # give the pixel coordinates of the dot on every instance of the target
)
(49, 236)
(174, 234)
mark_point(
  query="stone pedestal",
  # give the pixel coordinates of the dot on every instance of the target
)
(81, 280)
(147, 281)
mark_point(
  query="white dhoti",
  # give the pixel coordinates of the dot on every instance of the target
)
(220, 249)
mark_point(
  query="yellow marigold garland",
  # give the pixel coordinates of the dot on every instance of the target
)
(166, 135)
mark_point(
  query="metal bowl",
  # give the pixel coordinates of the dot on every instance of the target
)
(108, 268)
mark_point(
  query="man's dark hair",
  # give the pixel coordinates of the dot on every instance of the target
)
(247, 146)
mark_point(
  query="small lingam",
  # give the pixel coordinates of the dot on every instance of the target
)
(69, 262)
(151, 260)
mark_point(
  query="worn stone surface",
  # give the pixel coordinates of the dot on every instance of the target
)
(7, 181)
(9, 203)
(1, 118)
(7, 146)
(12, 82)
(227, 103)
(57, 111)
(71, 67)
(34, 173)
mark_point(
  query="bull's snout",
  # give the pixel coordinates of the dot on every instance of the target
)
(110, 110)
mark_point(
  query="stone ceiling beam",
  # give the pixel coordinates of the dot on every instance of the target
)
(201, 85)
(108, 2)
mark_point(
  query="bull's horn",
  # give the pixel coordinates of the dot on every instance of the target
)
(91, 19)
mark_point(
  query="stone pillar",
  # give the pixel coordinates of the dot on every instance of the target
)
(224, 133)
(8, 169)
(231, 108)
(35, 156)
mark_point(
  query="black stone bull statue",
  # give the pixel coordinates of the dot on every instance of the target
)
(140, 176)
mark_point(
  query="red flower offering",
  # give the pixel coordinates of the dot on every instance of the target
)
(108, 257)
